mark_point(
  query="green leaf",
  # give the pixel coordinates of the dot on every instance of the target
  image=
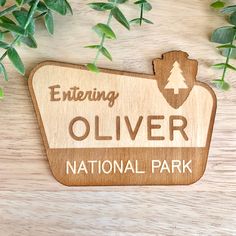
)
(232, 19)
(93, 46)
(4, 19)
(147, 21)
(69, 8)
(101, 6)
(13, 28)
(219, 65)
(16, 60)
(231, 67)
(3, 71)
(229, 9)
(140, 2)
(59, 6)
(21, 17)
(105, 29)
(223, 65)
(147, 6)
(119, 16)
(29, 41)
(105, 53)
(218, 4)
(49, 23)
(4, 45)
(225, 52)
(136, 21)
(221, 84)
(118, 1)
(2, 3)
(226, 46)
(1, 93)
(92, 67)
(223, 35)
(41, 7)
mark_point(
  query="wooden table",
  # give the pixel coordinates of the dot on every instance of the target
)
(32, 202)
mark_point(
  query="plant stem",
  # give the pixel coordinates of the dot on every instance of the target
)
(103, 36)
(141, 14)
(102, 40)
(227, 59)
(29, 18)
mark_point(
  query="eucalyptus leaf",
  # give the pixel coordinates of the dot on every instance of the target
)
(229, 9)
(119, 16)
(218, 4)
(118, 1)
(221, 84)
(219, 65)
(93, 46)
(147, 6)
(3, 71)
(13, 28)
(2, 3)
(4, 45)
(226, 46)
(140, 2)
(147, 21)
(225, 52)
(232, 19)
(29, 41)
(101, 6)
(121, 1)
(41, 7)
(106, 53)
(136, 21)
(5, 19)
(16, 60)
(106, 30)
(49, 23)
(223, 35)
(92, 67)
(59, 6)
(224, 65)
(69, 8)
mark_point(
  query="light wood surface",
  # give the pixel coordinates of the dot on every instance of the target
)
(32, 202)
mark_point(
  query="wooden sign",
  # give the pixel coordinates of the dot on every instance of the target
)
(122, 128)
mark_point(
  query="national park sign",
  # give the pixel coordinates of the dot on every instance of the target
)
(122, 128)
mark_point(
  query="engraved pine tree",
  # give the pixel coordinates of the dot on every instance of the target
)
(176, 80)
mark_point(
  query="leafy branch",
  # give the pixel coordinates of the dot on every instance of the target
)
(104, 31)
(226, 37)
(144, 6)
(18, 22)
(22, 29)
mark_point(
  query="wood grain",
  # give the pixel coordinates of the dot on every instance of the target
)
(32, 202)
